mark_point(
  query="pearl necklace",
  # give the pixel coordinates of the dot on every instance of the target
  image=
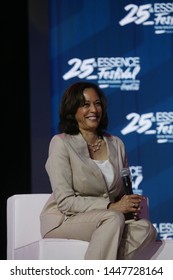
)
(96, 146)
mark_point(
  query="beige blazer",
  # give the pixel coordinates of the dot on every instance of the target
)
(77, 183)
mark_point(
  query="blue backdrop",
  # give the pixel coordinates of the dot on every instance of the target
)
(126, 47)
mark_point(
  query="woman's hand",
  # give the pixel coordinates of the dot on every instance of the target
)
(128, 203)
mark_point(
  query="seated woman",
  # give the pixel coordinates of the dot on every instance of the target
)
(88, 200)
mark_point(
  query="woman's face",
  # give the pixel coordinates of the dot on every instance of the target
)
(89, 115)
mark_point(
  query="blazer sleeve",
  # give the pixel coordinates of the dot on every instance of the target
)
(61, 178)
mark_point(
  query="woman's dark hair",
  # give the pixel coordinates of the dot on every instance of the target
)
(72, 99)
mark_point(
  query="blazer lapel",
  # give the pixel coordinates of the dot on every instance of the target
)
(80, 146)
(113, 157)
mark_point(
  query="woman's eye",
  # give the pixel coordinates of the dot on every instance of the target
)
(86, 105)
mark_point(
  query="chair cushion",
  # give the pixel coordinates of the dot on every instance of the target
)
(52, 249)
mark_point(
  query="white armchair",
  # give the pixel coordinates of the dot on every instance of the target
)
(24, 240)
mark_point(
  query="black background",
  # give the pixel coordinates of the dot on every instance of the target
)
(25, 102)
(14, 106)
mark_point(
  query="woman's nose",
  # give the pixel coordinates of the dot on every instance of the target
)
(93, 108)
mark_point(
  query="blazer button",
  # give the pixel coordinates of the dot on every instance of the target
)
(105, 195)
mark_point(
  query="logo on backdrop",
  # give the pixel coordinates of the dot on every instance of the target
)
(158, 15)
(165, 230)
(159, 124)
(112, 72)
(137, 177)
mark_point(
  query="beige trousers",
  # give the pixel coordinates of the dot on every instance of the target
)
(110, 236)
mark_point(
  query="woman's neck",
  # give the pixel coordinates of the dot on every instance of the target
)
(90, 137)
